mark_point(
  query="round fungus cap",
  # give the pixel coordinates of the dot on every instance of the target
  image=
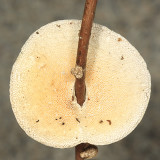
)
(42, 87)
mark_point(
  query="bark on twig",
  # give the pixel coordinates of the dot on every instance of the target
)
(85, 151)
(84, 36)
(80, 88)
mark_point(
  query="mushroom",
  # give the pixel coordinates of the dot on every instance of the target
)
(42, 87)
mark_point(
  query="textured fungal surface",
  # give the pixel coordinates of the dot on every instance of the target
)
(42, 87)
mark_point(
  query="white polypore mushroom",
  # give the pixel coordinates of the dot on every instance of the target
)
(42, 87)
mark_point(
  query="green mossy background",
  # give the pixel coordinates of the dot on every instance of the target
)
(136, 20)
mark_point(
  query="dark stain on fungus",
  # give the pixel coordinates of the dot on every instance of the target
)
(76, 137)
(122, 58)
(72, 98)
(109, 121)
(63, 123)
(119, 39)
(60, 117)
(88, 98)
(58, 25)
(56, 119)
(37, 121)
(70, 22)
(77, 120)
(100, 121)
(37, 32)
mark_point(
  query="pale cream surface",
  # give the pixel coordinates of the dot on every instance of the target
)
(41, 88)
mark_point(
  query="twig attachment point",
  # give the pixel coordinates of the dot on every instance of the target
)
(84, 150)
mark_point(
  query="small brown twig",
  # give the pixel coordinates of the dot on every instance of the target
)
(78, 150)
(84, 36)
(79, 71)
(85, 151)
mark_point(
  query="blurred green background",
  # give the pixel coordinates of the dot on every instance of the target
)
(136, 20)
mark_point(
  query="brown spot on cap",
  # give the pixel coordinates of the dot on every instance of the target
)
(119, 39)
(58, 25)
(63, 123)
(122, 57)
(37, 32)
(109, 122)
(100, 121)
(77, 120)
(37, 121)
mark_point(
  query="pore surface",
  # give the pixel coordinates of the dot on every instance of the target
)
(42, 87)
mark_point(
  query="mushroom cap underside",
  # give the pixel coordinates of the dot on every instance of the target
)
(42, 87)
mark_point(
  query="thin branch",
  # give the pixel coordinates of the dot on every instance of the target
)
(84, 36)
(86, 151)
(80, 88)
(78, 150)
